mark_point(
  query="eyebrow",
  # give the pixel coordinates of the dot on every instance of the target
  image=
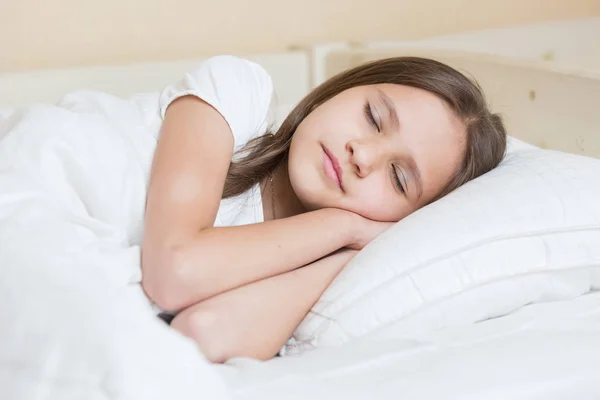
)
(410, 161)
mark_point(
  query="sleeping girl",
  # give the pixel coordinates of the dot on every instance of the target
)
(245, 227)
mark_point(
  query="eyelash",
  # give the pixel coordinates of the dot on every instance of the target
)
(397, 180)
(370, 117)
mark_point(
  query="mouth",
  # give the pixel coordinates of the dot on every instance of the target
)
(332, 168)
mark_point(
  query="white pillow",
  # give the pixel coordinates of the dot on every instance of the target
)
(526, 232)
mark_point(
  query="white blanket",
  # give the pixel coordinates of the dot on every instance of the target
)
(75, 324)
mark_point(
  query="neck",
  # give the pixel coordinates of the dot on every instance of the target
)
(286, 202)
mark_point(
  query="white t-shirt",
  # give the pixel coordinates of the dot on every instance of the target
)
(241, 91)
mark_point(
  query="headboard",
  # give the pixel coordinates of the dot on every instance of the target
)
(542, 104)
(289, 70)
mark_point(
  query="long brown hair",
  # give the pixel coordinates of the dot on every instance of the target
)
(486, 135)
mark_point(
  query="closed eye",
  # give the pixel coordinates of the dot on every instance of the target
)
(396, 179)
(370, 117)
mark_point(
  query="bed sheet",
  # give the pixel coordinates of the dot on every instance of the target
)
(545, 351)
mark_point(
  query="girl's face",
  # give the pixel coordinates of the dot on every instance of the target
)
(381, 151)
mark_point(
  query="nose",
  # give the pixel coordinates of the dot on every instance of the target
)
(364, 156)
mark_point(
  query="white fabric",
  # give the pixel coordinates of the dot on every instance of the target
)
(242, 92)
(73, 178)
(239, 89)
(69, 333)
(548, 351)
(526, 232)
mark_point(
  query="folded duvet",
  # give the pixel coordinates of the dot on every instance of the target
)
(75, 322)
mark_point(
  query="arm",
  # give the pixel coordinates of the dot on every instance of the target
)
(257, 319)
(184, 258)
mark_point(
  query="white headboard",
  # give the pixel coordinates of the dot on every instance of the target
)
(289, 70)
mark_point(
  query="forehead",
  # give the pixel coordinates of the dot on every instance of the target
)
(430, 131)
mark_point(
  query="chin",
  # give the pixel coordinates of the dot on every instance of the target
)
(308, 199)
(313, 200)
(306, 184)
(317, 196)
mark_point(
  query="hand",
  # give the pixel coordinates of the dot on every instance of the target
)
(365, 230)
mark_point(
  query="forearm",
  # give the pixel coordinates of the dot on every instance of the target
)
(256, 320)
(220, 259)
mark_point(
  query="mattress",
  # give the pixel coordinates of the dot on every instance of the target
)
(545, 351)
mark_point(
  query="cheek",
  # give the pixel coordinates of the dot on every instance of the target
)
(303, 172)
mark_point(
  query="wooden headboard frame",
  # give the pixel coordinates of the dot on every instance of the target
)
(541, 103)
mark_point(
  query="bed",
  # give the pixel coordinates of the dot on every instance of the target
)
(545, 350)
(548, 93)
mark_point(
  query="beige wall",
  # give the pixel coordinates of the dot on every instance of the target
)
(59, 33)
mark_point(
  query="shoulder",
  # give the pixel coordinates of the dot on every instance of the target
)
(239, 89)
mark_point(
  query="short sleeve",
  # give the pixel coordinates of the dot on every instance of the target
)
(240, 90)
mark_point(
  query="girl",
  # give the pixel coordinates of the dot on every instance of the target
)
(246, 228)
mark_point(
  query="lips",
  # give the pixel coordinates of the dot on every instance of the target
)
(332, 167)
